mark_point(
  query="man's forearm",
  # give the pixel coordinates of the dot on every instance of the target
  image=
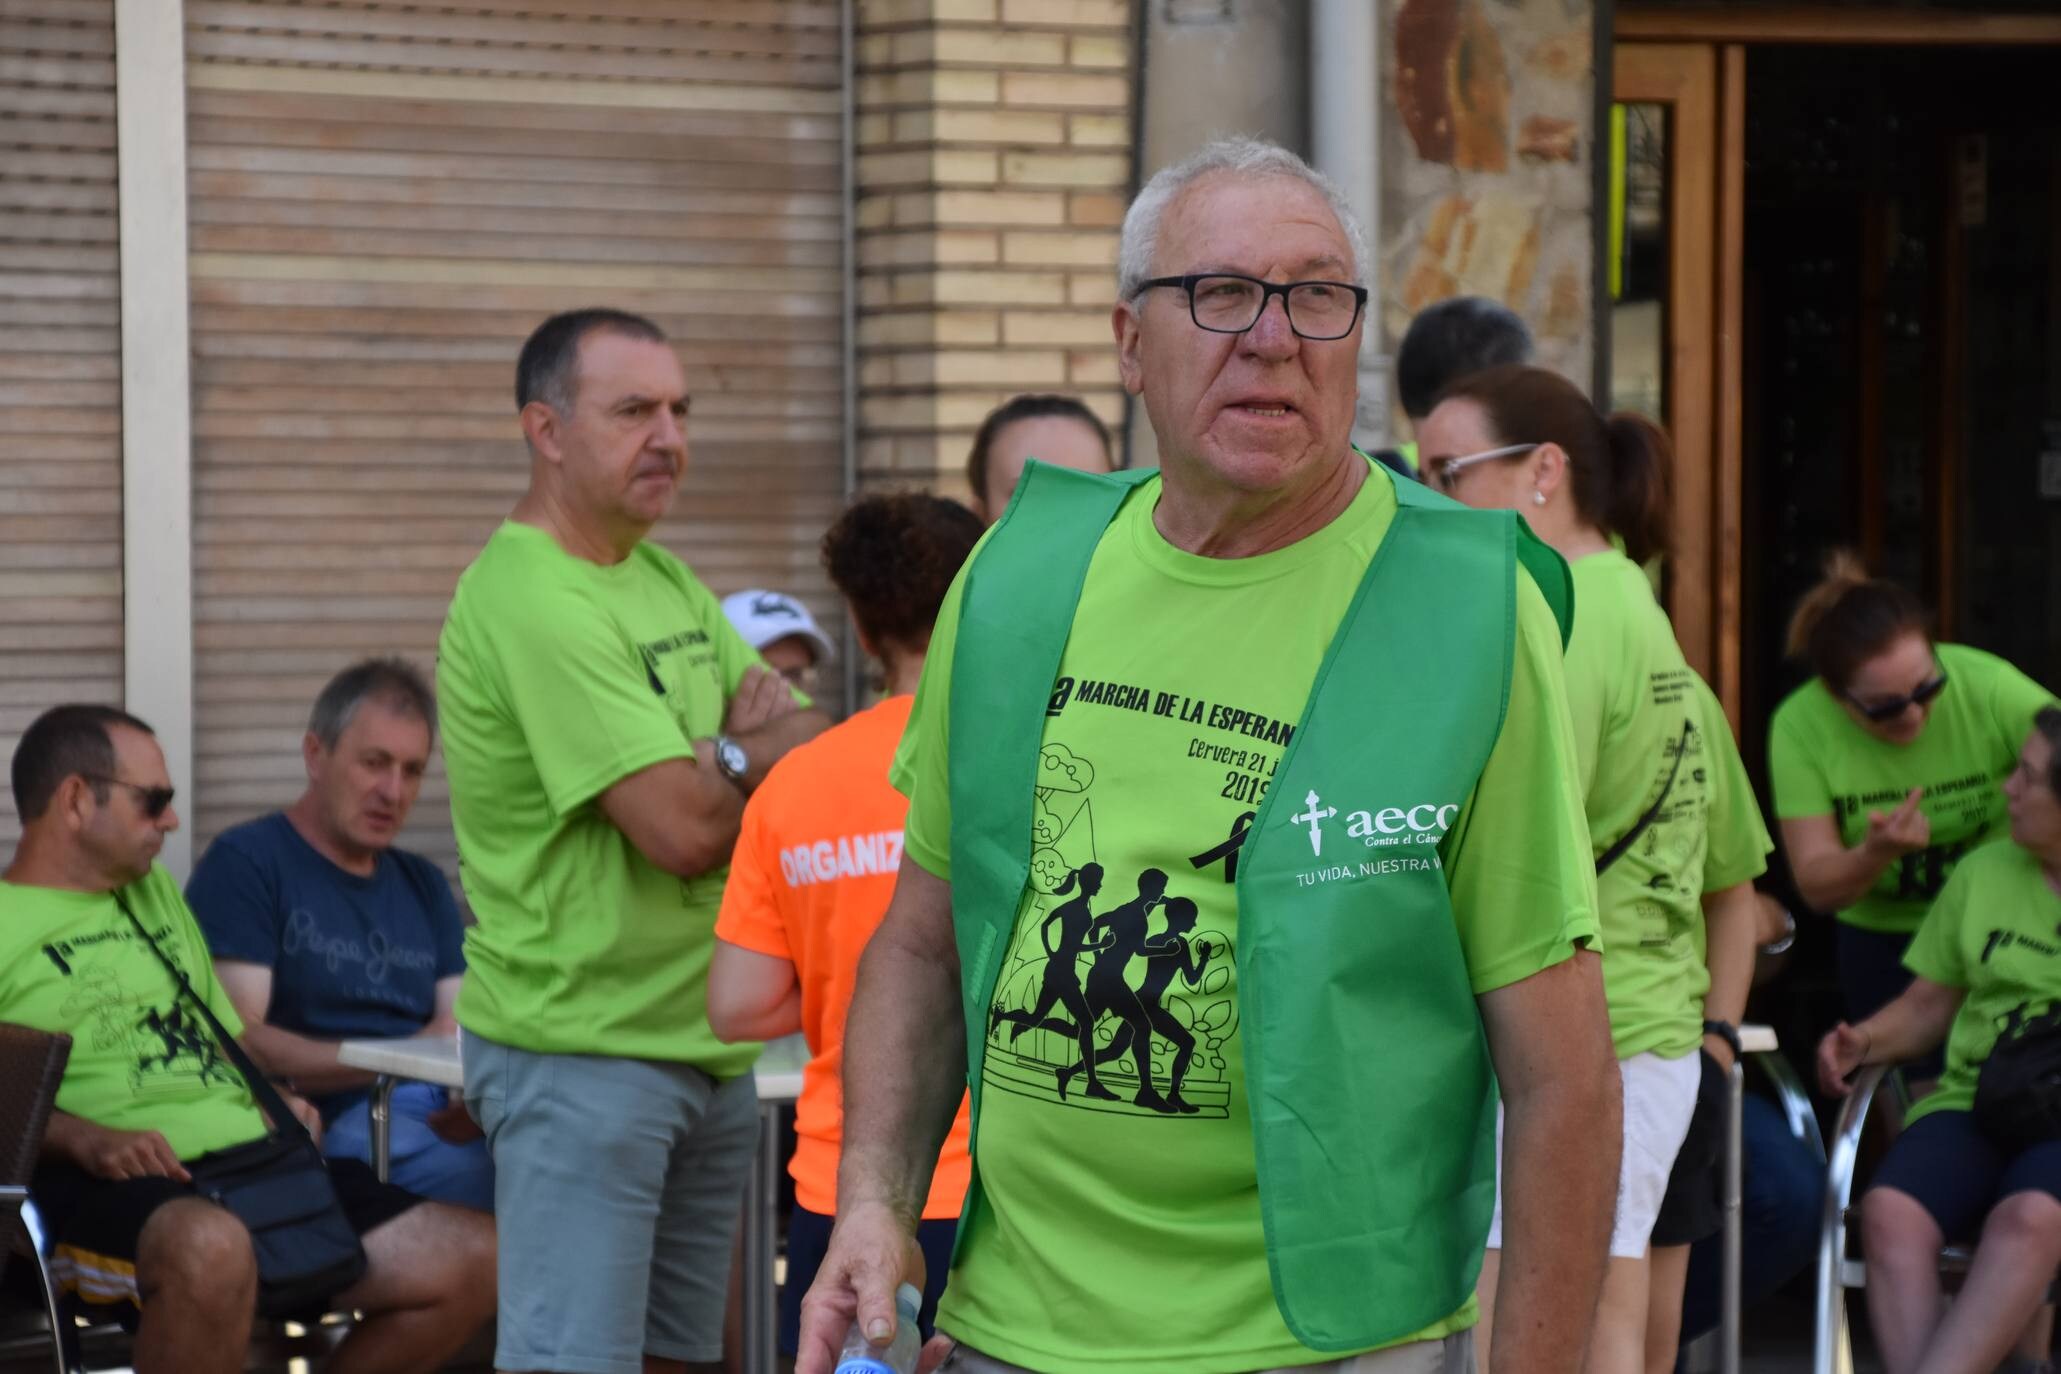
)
(768, 744)
(904, 1059)
(1550, 1036)
(310, 1064)
(1560, 1162)
(63, 1136)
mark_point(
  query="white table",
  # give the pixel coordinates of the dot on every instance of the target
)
(435, 1059)
(422, 1058)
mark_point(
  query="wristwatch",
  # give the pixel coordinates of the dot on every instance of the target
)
(730, 759)
(1727, 1032)
(1787, 938)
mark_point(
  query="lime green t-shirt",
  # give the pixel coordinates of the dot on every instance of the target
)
(1126, 1236)
(1822, 763)
(1996, 931)
(1636, 704)
(557, 678)
(143, 1059)
(1737, 843)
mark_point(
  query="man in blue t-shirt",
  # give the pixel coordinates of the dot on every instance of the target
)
(322, 931)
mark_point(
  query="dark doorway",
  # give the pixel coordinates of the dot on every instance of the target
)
(1903, 343)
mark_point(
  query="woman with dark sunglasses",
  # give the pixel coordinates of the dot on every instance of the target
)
(1677, 833)
(1885, 767)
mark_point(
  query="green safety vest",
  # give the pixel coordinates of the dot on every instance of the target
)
(1367, 1073)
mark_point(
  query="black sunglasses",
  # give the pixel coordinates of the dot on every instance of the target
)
(153, 799)
(1881, 711)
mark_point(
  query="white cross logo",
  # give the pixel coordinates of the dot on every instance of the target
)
(1314, 819)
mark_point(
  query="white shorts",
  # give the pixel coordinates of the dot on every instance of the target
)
(1659, 1099)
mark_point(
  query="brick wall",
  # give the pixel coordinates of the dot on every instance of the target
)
(994, 163)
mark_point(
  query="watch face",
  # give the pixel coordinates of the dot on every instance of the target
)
(730, 757)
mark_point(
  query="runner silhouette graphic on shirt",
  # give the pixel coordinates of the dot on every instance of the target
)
(1117, 937)
(1062, 980)
(182, 1036)
(1165, 955)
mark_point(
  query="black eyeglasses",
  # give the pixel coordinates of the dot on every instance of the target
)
(154, 800)
(1881, 711)
(1229, 303)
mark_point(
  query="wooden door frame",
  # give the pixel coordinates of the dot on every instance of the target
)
(1709, 443)
(1825, 24)
(1702, 333)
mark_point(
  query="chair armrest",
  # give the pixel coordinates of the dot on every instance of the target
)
(1846, 1140)
(1794, 1099)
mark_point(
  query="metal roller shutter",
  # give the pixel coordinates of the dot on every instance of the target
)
(60, 368)
(384, 201)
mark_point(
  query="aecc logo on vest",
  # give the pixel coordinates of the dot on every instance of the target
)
(1424, 823)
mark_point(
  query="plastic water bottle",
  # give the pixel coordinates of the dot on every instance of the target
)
(898, 1356)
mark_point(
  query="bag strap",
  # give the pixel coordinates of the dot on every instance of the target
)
(261, 1087)
(1630, 837)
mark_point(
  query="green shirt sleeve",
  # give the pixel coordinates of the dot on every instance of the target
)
(919, 771)
(579, 694)
(1588, 678)
(1794, 772)
(1738, 845)
(1519, 864)
(1935, 951)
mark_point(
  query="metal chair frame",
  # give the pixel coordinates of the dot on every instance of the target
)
(38, 1058)
(1832, 1336)
(64, 1353)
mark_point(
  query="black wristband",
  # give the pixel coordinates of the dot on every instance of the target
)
(1727, 1032)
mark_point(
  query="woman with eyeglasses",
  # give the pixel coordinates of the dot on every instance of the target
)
(1980, 1162)
(1885, 767)
(1677, 832)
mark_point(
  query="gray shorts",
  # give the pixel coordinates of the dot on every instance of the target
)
(1453, 1355)
(618, 1184)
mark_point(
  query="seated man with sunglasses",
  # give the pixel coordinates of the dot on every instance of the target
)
(324, 930)
(1885, 769)
(88, 925)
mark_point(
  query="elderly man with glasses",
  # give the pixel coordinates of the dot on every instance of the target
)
(1323, 911)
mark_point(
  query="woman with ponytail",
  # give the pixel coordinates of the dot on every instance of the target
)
(817, 853)
(1886, 767)
(1677, 832)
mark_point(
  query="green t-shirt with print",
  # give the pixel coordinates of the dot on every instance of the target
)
(1636, 705)
(1738, 843)
(1126, 1236)
(1822, 763)
(557, 678)
(1996, 931)
(143, 1058)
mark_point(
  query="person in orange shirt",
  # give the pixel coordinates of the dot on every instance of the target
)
(815, 865)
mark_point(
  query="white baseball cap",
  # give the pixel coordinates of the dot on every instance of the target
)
(762, 617)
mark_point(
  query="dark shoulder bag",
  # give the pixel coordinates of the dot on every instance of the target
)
(2018, 1092)
(277, 1185)
(1651, 814)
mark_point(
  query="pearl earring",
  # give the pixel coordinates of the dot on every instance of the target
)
(1538, 498)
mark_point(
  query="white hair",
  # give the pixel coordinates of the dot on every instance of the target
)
(1250, 157)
